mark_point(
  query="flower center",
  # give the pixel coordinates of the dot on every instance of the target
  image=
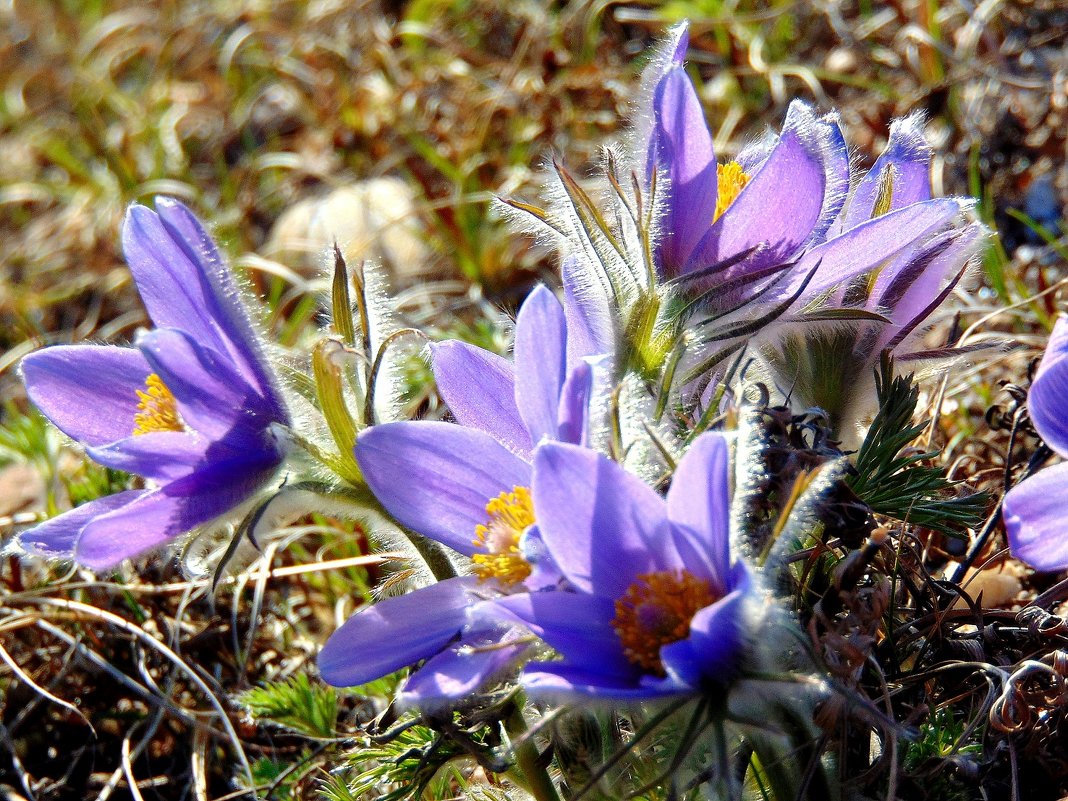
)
(655, 611)
(157, 409)
(731, 180)
(509, 515)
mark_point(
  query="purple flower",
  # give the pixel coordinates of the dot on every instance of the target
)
(778, 197)
(1034, 509)
(920, 277)
(193, 407)
(467, 487)
(910, 276)
(650, 604)
(776, 210)
(545, 392)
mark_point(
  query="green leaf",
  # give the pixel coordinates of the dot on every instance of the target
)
(296, 704)
(895, 482)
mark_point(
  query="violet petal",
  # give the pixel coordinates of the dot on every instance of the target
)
(88, 391)
(394, 633)
(575, 624)
(699, 501)
(544, 572)
(681, 146)
(588, 314)
(479, 388)
(56, 538)
(436, 478)
(779, 207)
(1034, 519)
(460, 670)
(158, 455)
(1049, 391)
(573, 409)
(869, 246)
(185, 284)
(212, 398)
(552, 680)
(908, 288)
(835, 152)
(158, 516)
(540, 362)
(909, 156)
(602, 525)
(718, 634)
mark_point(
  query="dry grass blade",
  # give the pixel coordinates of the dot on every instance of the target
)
(100, 615)
(25, 677)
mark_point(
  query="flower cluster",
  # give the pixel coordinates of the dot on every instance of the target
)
(560, 538)
(577, 513)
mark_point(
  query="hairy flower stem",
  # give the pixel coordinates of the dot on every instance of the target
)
(432, 554)
(357, 500)
(792, 764)
(527, 758)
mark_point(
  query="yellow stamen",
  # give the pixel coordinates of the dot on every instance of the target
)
(731, 180)
(655, 611)
(509, 515)
(158, 410)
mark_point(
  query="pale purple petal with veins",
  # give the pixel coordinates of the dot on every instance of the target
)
(395, 632)
(910, 292)
(837, 170)
(577, 625)
(479, 389)
(436, 478)
(211, 396)
(61, 380)
(574, 403)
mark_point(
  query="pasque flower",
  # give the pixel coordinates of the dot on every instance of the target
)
(649, 603)
(1034, 510)
(831, 365)
(777, 196)
(193, 407)
(468, 486)
(729, 228)
(695, 256)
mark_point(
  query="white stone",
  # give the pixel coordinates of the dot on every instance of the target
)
(374, 219)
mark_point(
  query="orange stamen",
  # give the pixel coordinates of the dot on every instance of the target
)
(655, 611)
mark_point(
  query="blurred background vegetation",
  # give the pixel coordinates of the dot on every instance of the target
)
(391, 126)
